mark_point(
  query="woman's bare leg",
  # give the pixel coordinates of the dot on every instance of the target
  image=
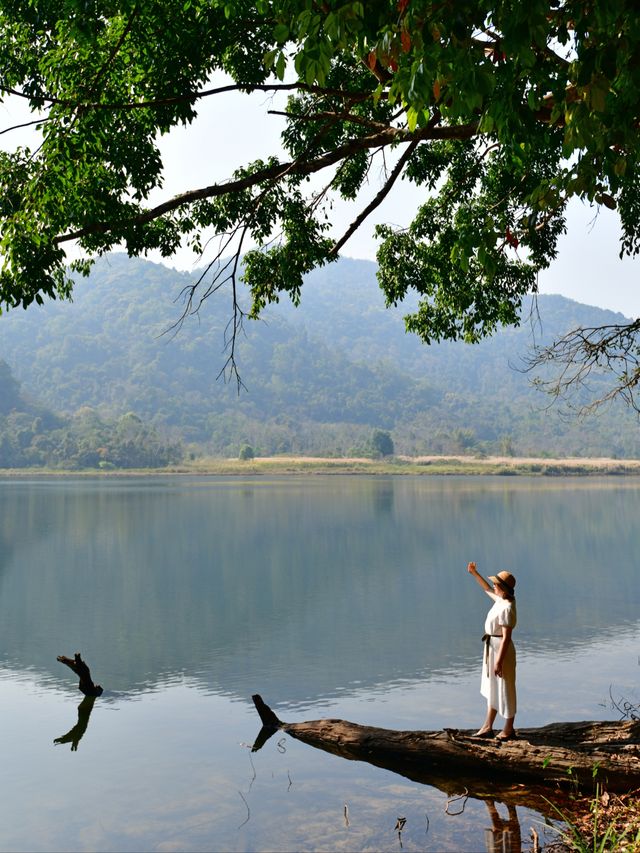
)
(488, 721)
(507, 730)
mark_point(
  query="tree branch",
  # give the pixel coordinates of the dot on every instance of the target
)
(346, 117)
(190, 96)
(115, 51)
(584, 351)
(25, 124)
(277, 172)
(376, 201)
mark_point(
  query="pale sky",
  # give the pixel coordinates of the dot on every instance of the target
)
(233, 129)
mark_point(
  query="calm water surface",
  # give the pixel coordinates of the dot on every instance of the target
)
(331, 596)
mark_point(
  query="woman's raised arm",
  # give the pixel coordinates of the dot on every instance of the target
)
(471, 568)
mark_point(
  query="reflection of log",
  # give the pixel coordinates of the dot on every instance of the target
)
(80, 668)
(557, 753)
(74, 735)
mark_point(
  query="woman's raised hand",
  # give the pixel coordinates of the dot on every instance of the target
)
(471, 568)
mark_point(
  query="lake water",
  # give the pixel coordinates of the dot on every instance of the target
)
(331, 596)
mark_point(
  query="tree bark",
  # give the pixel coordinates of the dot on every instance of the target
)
(574, 754)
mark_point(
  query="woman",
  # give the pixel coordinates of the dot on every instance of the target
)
(498, 683)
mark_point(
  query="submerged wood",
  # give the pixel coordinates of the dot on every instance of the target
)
(81, 669)
(556, 754)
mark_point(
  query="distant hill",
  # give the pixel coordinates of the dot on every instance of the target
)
(319, 377)
(33, 436)
(10, 396)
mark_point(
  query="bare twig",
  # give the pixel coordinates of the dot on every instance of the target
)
(584, 352)
(535, 838)
(464, 797)
(626, 709)
(25, 124)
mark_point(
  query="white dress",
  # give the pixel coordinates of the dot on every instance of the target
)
(500, 693)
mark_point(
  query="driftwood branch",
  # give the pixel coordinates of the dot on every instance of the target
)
(83, 672)
(578, 753)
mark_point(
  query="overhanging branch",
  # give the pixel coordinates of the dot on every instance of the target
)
(187, 97)
(277, 171)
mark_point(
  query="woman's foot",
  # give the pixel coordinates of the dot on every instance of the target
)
(484, 733)
(506, 736)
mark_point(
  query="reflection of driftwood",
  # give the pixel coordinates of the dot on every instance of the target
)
(74, 735)
(80, 668)
(557, 753)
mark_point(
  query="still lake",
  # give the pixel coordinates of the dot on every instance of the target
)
(332, 597)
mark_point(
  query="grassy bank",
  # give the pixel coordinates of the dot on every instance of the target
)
(424, 465)
(504, 466)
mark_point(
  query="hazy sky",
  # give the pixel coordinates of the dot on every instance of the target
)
(233, 129)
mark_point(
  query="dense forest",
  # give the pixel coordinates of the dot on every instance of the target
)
(32, 436)
(129, 389)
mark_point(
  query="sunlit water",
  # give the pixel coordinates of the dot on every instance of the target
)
(331, 596)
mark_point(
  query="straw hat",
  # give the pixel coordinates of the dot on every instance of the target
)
(504, 579)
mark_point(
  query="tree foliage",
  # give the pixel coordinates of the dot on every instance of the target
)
(502, 111)
(33, 436)
(382, 442)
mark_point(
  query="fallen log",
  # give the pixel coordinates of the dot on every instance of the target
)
(552, 755)
(83, 672)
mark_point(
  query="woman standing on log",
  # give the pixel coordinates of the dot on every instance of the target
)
(498, 683)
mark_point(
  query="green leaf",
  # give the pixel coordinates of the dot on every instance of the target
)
(412, 118)
(281, 33)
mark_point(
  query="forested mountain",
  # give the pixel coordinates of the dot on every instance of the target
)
(31, 435)
(318, 377)
(10, 397)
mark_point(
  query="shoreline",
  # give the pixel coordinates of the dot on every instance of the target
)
(397, 465)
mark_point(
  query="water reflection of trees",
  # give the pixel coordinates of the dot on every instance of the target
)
(302, 586)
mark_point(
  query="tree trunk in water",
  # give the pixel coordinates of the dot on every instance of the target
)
(559, 753)
(83, 672)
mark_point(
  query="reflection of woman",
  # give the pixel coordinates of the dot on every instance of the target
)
(504, 835)
(498, 683)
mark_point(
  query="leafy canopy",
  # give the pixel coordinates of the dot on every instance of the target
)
(502, 111)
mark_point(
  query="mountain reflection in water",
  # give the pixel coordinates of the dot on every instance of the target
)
(303, 588)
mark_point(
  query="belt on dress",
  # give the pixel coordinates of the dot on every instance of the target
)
(486, 639)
